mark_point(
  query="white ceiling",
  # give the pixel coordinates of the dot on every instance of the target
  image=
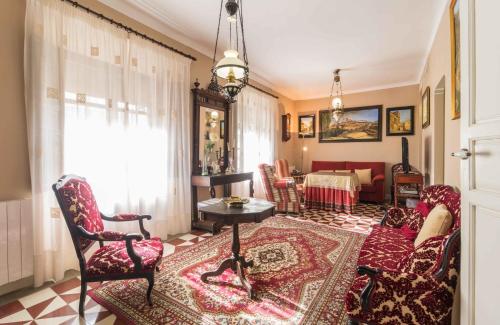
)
(294, 45)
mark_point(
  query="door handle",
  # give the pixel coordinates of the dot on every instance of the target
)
(463, 154)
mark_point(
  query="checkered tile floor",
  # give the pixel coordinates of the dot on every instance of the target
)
(361, 220)
(58, 304)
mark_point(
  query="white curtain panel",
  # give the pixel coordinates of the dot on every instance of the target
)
(108, 106)
(256, 133)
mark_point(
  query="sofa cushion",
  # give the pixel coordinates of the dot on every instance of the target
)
(424, 258)
(364, 175)
(423, 208)
(437, 223)
(409, 233)
(384, 248)
(378, 168)
(327, 165)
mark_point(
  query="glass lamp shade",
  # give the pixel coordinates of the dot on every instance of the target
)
(231, 64)
(214, 115)
(337, 103)
(231, 89)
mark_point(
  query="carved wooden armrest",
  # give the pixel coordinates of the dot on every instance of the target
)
(131, 217)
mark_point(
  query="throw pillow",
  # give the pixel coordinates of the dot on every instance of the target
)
(343, 171)
(325, 171)
(409, 233)
(423, 208)
(364, 175)
(437, 223)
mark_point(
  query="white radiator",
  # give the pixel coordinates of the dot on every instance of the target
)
(16, 240)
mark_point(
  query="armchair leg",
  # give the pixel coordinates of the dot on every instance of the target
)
(151, 281)
(83, 294)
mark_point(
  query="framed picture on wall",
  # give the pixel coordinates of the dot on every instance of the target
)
(400, 121)
(285, 127)
(426, 108)
(307, 126)
(360, 124)
(455, 58)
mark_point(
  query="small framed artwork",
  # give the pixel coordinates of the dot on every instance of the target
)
(361, 124)
(307, 126)
(426, 108)
(221, 129)
(285, 127)
(400, 121)
(455, 58)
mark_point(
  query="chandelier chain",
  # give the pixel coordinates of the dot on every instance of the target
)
(217, 37)
(243, 43)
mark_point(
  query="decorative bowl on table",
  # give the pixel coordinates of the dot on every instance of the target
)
(235, 202)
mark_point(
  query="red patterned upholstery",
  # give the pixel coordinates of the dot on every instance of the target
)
(384, 248)
(282, 168)
(113, 259)
(81, 207)
(374, 192)
(396, 282)
(282, 192)
(129, 256)
(432, 195)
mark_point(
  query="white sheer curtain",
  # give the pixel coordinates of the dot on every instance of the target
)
(256, 133)
(106, 105)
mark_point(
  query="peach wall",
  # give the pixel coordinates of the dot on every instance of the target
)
(438, 65)
(388, 150)
(14, 163)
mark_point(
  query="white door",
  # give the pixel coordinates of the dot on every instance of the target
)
(480, 174)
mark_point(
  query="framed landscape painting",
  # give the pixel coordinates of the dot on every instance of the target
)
(455, 58)
(400, 121)
(307, 126)
(361, 124)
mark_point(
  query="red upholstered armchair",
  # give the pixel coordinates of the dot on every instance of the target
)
(128, 256)
(282, 192)
(283, 172)
(398, 283)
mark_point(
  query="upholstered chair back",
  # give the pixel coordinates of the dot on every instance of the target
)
(282, 168)
(268, 179)
(79, 207)
(444, 194)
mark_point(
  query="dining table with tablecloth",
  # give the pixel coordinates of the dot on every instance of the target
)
(333, 191)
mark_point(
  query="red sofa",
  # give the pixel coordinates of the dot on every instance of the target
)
(398, 283)
(374, 192)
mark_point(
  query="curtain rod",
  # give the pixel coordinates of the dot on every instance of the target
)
(128, 29)
(262, 90)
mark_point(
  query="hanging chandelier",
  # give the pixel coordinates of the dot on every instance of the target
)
(232, 70)
(337, 105)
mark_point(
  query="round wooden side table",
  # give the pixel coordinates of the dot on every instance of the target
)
(254, 211)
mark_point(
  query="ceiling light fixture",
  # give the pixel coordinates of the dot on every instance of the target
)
(233, 70)
(337, 105)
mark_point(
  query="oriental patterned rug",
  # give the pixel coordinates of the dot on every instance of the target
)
(301, 273)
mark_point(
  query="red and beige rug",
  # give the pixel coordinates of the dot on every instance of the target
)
(301, 273)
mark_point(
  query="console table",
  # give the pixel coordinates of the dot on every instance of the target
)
(413, 178)
(211, 181)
